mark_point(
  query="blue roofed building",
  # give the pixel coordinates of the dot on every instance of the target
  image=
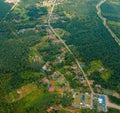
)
(102, 99)
(101, 103)
(82, 65)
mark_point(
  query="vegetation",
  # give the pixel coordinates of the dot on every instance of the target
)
(29, 53)
(4, 8)
(114, 100)
(110, 10)
(13, 56)
(67, 99)
(91, 39)
(35, 102)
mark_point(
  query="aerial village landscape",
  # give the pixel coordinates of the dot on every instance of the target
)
(61, 72)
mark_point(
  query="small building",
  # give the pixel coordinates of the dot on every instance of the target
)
(48, 110)
(101, 99)
(56, 108)
(82, 99)
(101, 103)
(45, 81)
(55, 75)
(82, 65)
(36, 59)
(12, 1)
(44, 68)
(91, 82)
(51, 89)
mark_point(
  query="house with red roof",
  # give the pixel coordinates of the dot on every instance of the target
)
(91, 82)
(48, 110)
(45, 81)
(51, 89)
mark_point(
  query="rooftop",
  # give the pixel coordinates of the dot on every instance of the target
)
(51, 89)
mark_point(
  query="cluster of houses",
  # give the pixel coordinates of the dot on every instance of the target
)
(12, 1)
(28, 29)
(25, 29)
(51, 2)
(56, 83)
(87, 101)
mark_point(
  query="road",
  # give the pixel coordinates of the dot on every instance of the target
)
(66, 109)
(111, 105)
(104, 20)
(66, 46)
(12, 8)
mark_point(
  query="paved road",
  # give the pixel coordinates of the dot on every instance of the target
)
(66, 46)
(111, 105)
(104, 20)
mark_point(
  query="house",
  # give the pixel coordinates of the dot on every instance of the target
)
(44, 68)
(74, 67)
(102, 69)
(91, 82)
(101, 103)
(56, 108)
(36, 59)
(60, 59)
(48, 110)
(51, 89)
(12, 1)
(98, 86)
(45, 81)
(55, 75)
(101, 100)
(82, 65)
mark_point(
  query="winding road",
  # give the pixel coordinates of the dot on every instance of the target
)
(104, 20)
(66, 46)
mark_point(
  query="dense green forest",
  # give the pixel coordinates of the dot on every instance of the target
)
(114, 100)
(4, 8)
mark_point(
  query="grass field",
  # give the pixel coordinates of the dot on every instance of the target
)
(36, 99)
(28, 96)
